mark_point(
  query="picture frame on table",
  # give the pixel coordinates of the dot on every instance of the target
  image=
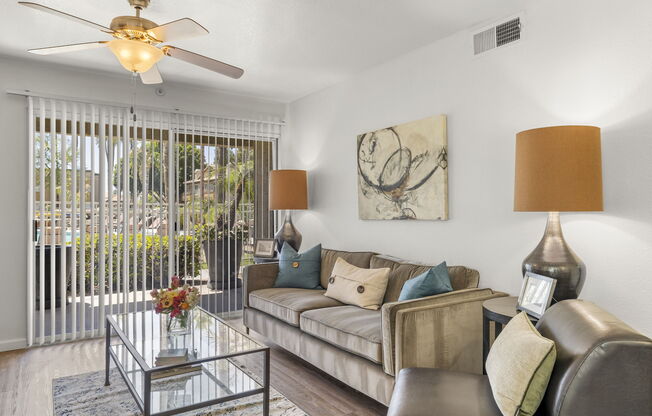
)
(265, 248)
(536, 294)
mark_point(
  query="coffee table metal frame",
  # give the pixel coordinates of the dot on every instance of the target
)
(145, 404)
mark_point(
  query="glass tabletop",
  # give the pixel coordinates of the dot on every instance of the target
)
(212, 380)
(208, 338)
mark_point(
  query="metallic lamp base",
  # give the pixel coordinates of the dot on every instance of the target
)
(554, 258)
(288, 234)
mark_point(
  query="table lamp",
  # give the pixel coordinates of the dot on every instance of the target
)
(558, 169)
(288, 190)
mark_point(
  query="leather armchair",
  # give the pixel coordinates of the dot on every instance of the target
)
(603, 368)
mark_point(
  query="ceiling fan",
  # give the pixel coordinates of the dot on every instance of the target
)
(138, 42)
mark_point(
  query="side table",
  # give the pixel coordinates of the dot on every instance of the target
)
(500, 311)
(259, 260)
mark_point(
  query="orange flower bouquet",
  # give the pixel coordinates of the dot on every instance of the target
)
(176, 301)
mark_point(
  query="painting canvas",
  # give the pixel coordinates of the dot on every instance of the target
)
(403, 171)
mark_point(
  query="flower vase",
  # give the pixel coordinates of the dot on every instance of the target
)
(180, 324)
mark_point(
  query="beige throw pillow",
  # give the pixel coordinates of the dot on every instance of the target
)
(519, 366)
(355, 286)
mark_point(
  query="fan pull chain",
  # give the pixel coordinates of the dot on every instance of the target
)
(132, 109)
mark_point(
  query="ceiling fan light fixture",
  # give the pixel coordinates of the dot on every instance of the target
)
(138, 42)
(135, 56)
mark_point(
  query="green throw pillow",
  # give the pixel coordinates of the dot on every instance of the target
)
(433, 282)
(519, 366)
(299, 270)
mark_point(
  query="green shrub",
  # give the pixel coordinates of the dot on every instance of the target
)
(188, 247)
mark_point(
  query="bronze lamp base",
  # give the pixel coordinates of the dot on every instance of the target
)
(288, 234)
(554, 258)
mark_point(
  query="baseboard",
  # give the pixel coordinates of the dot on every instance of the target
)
(13, 344)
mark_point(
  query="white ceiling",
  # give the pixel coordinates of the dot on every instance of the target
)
(288, 48)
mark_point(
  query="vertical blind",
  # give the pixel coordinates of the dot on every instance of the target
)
(122, 199)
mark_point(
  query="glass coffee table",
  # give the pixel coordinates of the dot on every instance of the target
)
(169, 374)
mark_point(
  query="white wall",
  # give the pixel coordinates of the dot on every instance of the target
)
(19, 74)
(581, 62)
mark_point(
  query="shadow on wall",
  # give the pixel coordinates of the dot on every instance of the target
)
(627, 164)
(618, 245)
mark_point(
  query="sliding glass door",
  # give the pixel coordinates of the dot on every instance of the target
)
(122, 200)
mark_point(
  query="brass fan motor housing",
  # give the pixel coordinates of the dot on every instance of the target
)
(133, 28)
(139, 4)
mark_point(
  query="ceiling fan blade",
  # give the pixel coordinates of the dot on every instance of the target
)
(178, 29)
(203, 61)
(68, 48)
(65, 15)
(152, 76)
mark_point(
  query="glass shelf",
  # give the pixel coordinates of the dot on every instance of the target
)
(216, 379)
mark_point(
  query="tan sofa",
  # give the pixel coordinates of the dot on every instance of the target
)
(365, 348)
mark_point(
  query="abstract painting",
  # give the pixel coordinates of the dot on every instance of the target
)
(403, 171)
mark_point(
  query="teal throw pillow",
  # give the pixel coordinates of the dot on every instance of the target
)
(433, 282)
(299, 270)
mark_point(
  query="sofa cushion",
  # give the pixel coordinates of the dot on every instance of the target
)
(287, 304)
(329, 257)
(348, 327)
(383, 260)
(399, 276)
(434, 392)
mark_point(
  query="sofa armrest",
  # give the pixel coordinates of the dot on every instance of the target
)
(441, 331)
(257, 276)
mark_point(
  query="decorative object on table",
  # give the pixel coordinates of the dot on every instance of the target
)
(433, 282)
(299, 270)
(558, 169)
(357, 286)
(500, 311)
(288, 190)
(177, 303)
(187, 370)
(403, 171)
(264, 248)
(519, 366)
(536, 294)
(173, 356)
(80, 395)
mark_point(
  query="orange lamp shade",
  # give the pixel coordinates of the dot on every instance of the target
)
(288, 189)
(558, 169)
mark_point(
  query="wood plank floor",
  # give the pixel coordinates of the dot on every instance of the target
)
(26, 380)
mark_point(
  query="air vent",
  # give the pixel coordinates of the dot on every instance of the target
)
(497, 36)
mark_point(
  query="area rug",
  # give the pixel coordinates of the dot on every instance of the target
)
(86, 395)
